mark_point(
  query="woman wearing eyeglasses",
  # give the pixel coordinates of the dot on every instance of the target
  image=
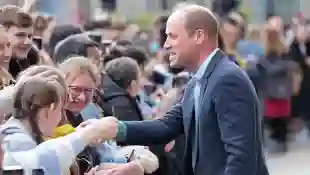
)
(82, 78)
(37, 110)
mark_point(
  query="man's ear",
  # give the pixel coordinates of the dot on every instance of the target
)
(53, 106)
(131, 86)
(133, 83)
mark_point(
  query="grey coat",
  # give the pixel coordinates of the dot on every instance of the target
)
(277, 77)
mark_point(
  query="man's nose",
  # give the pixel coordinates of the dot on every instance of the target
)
(167, 46)
(82, 97)
(28, 40)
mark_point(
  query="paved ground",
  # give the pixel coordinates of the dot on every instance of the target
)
(295, 162)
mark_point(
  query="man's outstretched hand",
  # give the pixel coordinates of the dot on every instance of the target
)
(103, 129)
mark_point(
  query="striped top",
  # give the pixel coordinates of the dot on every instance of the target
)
(53, 156)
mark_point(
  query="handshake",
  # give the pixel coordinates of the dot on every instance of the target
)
(97, 130)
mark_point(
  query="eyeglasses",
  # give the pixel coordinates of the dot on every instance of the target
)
(76, 91)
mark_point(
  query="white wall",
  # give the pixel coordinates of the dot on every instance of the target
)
(304, 7)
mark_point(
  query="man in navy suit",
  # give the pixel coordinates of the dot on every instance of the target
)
(219, 113)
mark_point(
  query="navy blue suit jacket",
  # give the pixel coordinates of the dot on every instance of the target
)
(230, 136)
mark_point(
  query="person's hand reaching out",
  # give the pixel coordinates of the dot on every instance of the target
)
(100, 129)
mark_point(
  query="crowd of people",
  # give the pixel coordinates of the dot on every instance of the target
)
(56, 80)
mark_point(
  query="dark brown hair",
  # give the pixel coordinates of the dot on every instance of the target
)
(31, 96)
(122, 71)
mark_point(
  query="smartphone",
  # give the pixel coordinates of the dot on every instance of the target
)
(38, 172)
(38, 42)
(158, 77)
(17, 170)
(13, 170)
(149, 89)
(96, 38)
(131, 155)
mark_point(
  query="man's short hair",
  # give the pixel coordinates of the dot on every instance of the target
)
(199, 17)
(136, 53)
(114, 52)
(122, 71)
(93, 25)
(11, 15)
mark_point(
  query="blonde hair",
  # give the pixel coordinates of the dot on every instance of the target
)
(80, 65)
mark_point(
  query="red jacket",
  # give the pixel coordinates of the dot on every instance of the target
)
(275, 108)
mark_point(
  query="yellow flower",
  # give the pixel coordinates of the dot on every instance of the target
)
(63, 130)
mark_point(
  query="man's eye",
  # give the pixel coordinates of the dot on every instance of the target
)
(173, 36)
(20, 34)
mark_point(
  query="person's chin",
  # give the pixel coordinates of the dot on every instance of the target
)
(174, 62)
(77, 108)
(21, 55)
(5, 65)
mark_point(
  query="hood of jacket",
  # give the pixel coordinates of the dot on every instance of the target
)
(74, 45)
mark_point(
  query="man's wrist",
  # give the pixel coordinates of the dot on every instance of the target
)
(121, 132)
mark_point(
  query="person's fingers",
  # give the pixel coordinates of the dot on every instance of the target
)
(86, 123)
(93, 171)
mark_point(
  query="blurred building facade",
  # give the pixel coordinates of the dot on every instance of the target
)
(73, 10)
(256, 10)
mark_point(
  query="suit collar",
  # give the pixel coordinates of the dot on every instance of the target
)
(203, 67)
(213, 62)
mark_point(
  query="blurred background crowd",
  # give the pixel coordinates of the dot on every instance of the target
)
(110, 55)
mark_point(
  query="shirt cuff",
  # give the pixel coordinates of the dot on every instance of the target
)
(121, 132)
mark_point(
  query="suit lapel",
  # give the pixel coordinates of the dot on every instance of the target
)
(189, 91)
(204, 81)
(188, 107)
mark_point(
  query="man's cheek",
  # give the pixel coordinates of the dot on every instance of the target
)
(14, 42)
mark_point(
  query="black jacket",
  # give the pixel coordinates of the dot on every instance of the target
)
(118, 103)
(89, 153)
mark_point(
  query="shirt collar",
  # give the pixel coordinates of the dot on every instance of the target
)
(203, 67)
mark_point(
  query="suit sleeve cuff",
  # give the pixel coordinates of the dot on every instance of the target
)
(121, 132)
